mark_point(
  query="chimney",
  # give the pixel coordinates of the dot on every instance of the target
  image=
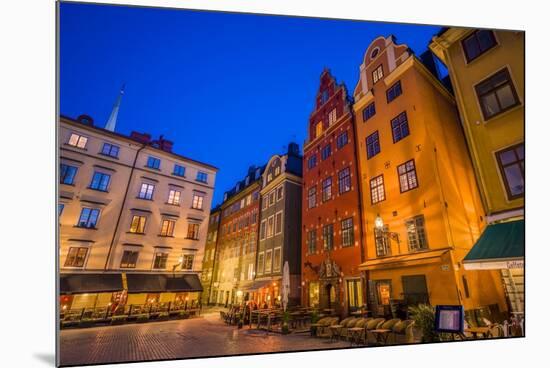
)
(141, 137)
(163, 144)
(85, 119)
(293, 149)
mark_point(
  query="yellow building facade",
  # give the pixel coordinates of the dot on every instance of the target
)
(421, 208)
(487, 71)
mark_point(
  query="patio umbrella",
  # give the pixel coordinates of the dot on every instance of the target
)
(286, 285)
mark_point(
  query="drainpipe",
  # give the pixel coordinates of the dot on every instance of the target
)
(122, 207)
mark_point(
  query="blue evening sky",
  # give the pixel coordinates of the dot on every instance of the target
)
(229, 89)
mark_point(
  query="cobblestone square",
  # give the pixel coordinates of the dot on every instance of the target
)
(205, 336)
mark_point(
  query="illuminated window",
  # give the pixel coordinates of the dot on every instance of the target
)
(77, 140)
(270, 226)
(383, 289)
(100, 181)
(198, 200)
(110, 150)
(153, 162)
(129, 259)
(76, 257)
(382, 242)
(277, 259)
(138, 224)
(187, 263)
(193, 231)
(260, 269)
(407, 176)
(146, 191)
(67, 174)
(377, 74)
(88, 218)
(332, 116)
(318, 129)
(373, 145)
(174, 197)
(263, 229)
(268, 260)
(277, 170)
(271, 198)
(328, 236)
(347, 232)
(377, 193)
(279, 193)
(167, 228)
(160, 261)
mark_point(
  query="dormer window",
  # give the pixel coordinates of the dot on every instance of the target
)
(247, 180)
(332, 117)
(377, 74)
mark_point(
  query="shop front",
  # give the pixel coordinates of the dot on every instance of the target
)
(501, 247)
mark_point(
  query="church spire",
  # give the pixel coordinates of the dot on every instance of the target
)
(111, 123)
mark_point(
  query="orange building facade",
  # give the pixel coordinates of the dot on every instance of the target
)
(331, 217)
(422, 211)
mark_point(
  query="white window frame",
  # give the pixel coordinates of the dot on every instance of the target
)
(272, 219)
(199, 202)
(263, 236)
(275, 223)
(78, 140)
(277, 266)
(282, 189)
(268, 258)
(174, 197)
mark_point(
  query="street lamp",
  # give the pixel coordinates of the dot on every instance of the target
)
(379, 226)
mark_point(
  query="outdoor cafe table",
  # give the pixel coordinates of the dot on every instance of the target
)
(335, 331)
(483, 331)
(381, 335)
(314, 327)
(355, 334)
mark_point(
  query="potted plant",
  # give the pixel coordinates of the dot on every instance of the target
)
(163, 316)
(142, 318)
(423, 316)
(284, 328)
(118, 320)
(314, 319)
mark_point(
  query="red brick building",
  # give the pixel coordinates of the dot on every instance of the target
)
(331, 220)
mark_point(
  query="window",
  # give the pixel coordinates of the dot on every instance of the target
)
(407, 176)
(268, 260)
(60, 208)
(382, 242)
(347, 232)
(277, 259)
(153, 162)
(342, 140)
(67, 174)
(265, 201)
(100, 181)
(355, 294)
(377, 74)
(511, 162)
(344, 181)
(327, 189)
(399, 127)
(138, 224)
(174, 197)
(271, 198)
(332, 116)
(328, 236)
(312, 161)
(252, 242)
(377, 192)
(260, 263)
(373, 145)
(324, 96)
(193, 231)
(318, 129)
(167, 228)
(187, 262)
(325, 152)
(478, 43)
(369, 111)
(250, 274)
(198, 200)
(202, 177)
(279, 223)
(146, 191)
(88, 218)
(76, 257)
(129, 259)
(160, 261)
(416, 234)
(179, 170)
(312, 197)
(311, 241)
(254, 217)
(394, 91)
(466, 288)
(279, 193)
(270, 224)
(263, 228)
(496, 94)
(110, 150)
(77, 140)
